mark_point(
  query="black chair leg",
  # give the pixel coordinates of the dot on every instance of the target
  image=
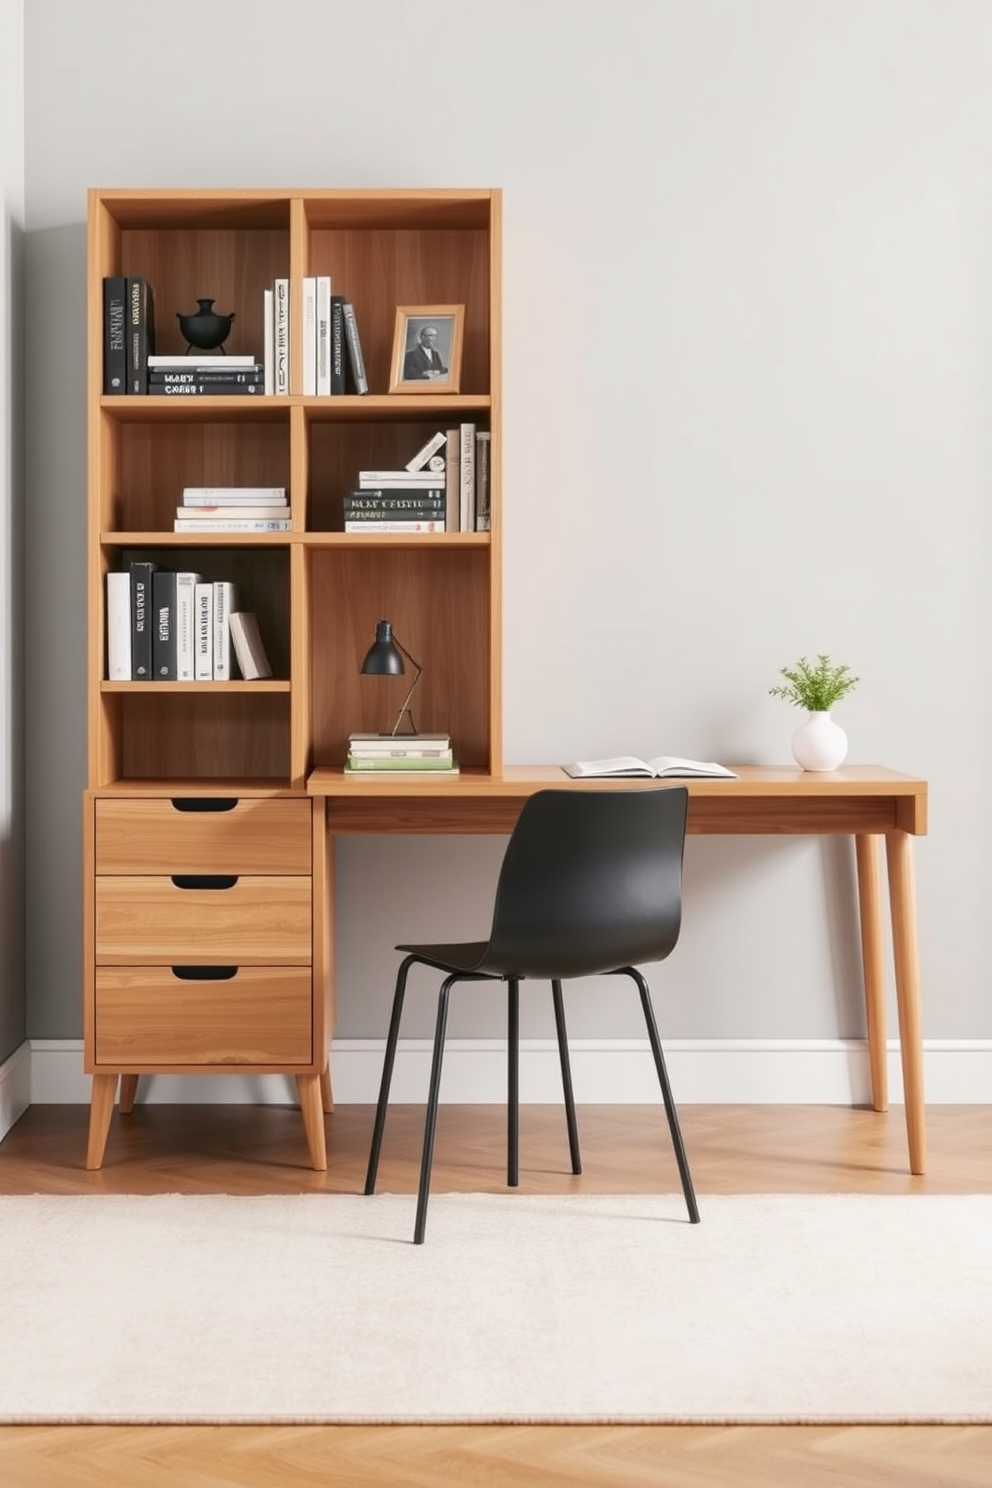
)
(430, 1124)
(566, 1077)
(387, 1074)
(666, 1094)
(513, 1082)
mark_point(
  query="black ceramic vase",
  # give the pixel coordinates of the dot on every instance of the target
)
(205, 330)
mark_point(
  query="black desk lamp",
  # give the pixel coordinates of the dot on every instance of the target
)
(384, 658)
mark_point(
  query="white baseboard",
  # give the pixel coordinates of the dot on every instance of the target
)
(604, 1072)
(15, 1087)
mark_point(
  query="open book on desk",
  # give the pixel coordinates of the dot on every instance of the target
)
(661, 767)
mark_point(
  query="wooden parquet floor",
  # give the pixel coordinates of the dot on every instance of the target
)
(732, 1149)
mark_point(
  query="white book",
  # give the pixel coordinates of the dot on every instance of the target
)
(268, 339)
(662, 766)
(225, 600)
(308, 328)
(248, 648)
(198, 359)
(425, 525)
(423, 455)
(409, 480)
(466, 472)
(233, 495)
(323, 388)
(186, 583)
(231, 524)
(203, 632)
(280, 336)
(119, 627)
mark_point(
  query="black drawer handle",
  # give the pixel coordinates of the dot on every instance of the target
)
(204, 803)
(204, 973)
(204, 880)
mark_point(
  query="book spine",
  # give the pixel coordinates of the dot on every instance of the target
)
(407, 511)
(203, 632)
(391, 480)
(280, 291)
(308, 330)
(433, 445)
(141, 333)
(114, 334)
(164, 625)
(338, 353)
(172, 377)
(323, 379)
(224, 603)
(230, 524)
(268, 339)
(250, 512)
(396, 496)
(399, 762)
(118, 626)
(423, 525)
(186, 583)
(191, 362)
(483, 447)
(452, 450)
(356, 362)
(217, 495)
(226, 388)
(387, 756)
(466, 475)
(141, 619)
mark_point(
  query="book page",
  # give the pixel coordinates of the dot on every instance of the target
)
(669, 764)
(623, 764)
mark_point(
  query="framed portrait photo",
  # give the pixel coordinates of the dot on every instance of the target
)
(427, 349)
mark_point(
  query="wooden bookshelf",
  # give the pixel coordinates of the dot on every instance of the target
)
(241, 750)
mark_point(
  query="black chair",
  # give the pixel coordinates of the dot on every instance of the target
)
(590, 884)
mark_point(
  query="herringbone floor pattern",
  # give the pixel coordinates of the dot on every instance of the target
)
(254, 1150)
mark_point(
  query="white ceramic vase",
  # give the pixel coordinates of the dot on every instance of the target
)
(819, 743)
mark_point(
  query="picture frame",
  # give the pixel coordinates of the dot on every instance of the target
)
(423, 333)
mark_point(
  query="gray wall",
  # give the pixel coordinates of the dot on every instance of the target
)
(748, 376)
(12, 999)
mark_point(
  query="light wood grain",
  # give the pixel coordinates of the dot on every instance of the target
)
(734, 1149)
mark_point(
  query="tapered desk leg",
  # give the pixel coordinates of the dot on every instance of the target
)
(902, 901)
(873, 964)
(101, 1110)
(326, 1094)
(129, 1089)
(313, 1119)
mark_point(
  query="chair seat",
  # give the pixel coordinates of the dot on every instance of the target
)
(466, 955)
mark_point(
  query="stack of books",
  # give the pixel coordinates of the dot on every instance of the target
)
(396, 501)
(199, 375)
(400, 754)
(233, 509)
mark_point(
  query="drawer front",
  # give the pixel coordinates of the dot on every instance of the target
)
(232, 836)
(149, 1015)
(239, 920)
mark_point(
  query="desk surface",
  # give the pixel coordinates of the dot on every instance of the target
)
(855, 799)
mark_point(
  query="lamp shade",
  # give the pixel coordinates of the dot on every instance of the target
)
(383, 659)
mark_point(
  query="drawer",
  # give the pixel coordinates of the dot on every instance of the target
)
(203, 835)
(147, 1015)
(172, 920)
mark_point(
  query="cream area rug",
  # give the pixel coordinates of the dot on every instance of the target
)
(317, 1308)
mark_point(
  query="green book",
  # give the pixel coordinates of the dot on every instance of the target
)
(402, 763)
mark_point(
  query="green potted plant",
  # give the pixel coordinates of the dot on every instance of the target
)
(819, 743)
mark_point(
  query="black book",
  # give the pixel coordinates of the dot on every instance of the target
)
(164, 625)
(140, 333)
(356, 362)
(141, 572)
(218, 389)
(338, 354)
(114, 334)
(161, 378)
(362, 504)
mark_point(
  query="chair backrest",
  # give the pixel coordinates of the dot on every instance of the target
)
(590, 881)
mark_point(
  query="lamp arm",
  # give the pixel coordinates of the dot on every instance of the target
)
(405, 709)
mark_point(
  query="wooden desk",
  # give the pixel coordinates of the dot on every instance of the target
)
(866, 802)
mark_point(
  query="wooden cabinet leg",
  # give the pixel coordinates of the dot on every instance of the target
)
(326, 1095)
(129, 1089)
(873, 964)
(101, 1110)
(902, 902)
(313, 1119)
